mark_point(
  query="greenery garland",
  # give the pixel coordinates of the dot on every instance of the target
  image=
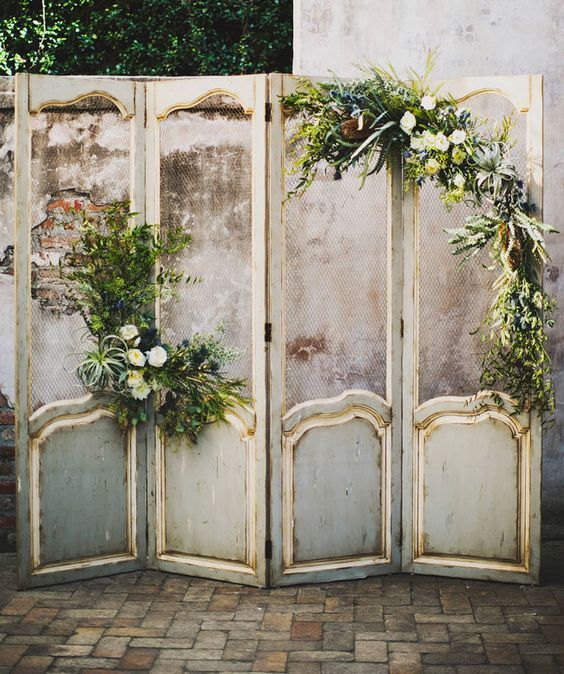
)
(111, 272)
(361, 123)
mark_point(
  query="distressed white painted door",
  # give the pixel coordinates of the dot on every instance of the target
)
(206, 167)
(471, 471)
(81, 479)
(335, 284)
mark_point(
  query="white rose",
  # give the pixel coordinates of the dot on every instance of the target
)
(459, 180)
(141, 392)
(408, 122)
(457, 137)
(136, 357)
(157, 356)
(416, 143)
(441, 142)
(428, 140)
(135, 379)
(428, 102)
(128, 332)
(432, 166)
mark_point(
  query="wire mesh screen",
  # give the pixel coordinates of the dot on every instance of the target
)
(80, 159)
(206, 185)
(335, 286)
(453, 299)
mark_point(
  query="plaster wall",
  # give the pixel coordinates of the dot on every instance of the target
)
(483, 37)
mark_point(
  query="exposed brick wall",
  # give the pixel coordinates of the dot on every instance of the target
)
(7, 477)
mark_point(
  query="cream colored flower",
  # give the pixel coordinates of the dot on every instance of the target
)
(157, 356)
(432, 166)
(136, 357)
(408, 122)
(134, 379)
(428, 103)
(416, 143)
(128, 332)
(441, 142)
(141, 392)
(457, 137)
(428, 139)
(459, 180)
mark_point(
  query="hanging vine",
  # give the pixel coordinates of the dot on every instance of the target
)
(361, 123)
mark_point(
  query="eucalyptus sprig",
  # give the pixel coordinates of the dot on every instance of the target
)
(361, 123)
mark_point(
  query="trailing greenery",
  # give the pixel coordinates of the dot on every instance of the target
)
(145, 37)
(362, 123)
(113, 281)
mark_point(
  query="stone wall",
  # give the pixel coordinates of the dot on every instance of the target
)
(474, 38)
(7, 318)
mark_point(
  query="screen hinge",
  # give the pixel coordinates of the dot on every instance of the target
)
(268, 549)
(401, 328)
(268, 112)
(268, 332)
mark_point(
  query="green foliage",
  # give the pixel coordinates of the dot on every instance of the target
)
(362, 123)
(113, 266)
(113, 279)
(145, 37)
(517, 361)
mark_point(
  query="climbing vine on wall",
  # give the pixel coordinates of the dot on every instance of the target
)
(360, 124)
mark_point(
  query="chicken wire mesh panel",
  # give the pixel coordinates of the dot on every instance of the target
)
(80, 160)
(206, 186)
(454, 298)
(335, 285)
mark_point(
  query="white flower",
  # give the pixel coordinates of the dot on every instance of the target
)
(157, 356)
(459, 180)
(428, 139)
(428, 102)
(408, 121)
(128, 332)
(416, 143)
(441, 142)
(432, 166)
(137, 341)
(141, 392)
(135, 379)
(136, 357)
(457, 137)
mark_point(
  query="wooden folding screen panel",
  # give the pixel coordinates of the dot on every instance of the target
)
(471, 469)
(81, 478)
(206, 169)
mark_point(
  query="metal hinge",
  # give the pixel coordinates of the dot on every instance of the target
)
(268, 549)
(268, 112)
(401, 328)
(268, 332)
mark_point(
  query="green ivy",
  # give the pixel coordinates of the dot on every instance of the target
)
(145, 37)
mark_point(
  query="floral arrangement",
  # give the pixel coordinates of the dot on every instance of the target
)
(112, 274)
(361, 123)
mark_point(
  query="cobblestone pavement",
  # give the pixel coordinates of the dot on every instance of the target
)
(149, 621)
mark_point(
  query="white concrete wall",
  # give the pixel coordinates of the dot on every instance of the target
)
(475, 37)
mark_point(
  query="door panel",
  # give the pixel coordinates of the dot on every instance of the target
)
(81, 496)
(207, 142)
(471, 469)
(335, 326)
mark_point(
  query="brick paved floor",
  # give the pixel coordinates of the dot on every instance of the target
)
(164, 623)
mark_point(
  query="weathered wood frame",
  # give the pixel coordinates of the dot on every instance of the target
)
(525, 93)
(269, 430)
(33, 94)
